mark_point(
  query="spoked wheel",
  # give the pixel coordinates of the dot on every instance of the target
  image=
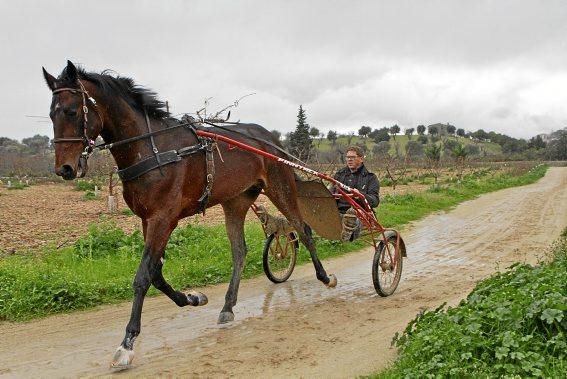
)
(387, 267)
(280, 253)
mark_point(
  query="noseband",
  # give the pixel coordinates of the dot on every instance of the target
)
(87, 142)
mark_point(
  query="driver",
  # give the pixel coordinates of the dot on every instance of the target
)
(356, 175)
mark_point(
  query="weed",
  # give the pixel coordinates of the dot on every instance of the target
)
(84, 185)
(127, 212)
(89, 195)
(18, 186)
(513, 324)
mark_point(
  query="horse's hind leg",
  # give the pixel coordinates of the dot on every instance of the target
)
(235, 212)
(286, 203)
(157, 232)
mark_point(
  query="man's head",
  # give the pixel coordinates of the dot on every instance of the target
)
(354, 158)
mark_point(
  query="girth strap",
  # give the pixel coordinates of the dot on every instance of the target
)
(161, 159)
(148, 164)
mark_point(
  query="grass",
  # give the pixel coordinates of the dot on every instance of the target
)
(513, 324)
(18, 186)
(99, 268)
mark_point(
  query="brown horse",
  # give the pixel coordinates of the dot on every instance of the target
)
(164, 169)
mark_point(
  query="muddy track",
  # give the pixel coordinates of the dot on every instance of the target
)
(300, 328)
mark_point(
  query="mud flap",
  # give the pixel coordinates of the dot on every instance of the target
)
(394, 234)
(319, 210)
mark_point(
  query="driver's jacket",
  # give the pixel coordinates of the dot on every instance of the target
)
(364, 181)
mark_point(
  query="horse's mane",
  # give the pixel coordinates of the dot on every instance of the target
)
(138, 97)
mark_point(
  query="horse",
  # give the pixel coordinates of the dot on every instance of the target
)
(168, 173)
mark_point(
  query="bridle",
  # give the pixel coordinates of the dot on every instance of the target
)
(88, 143)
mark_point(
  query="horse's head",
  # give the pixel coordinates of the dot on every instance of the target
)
(75, 125)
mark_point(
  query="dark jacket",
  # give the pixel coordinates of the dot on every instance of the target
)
(364, 181)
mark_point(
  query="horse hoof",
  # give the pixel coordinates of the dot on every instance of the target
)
(332, 281)
(225, 317)
(122, 358)
(197, 298)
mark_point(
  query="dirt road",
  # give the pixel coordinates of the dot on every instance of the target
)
(300, 328)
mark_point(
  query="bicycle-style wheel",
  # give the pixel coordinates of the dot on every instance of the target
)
(387, 267)
(280, 253)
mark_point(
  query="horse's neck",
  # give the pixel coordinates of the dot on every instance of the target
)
(123, 126)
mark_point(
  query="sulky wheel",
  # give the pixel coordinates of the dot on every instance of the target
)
(387, 267)
(280, 252)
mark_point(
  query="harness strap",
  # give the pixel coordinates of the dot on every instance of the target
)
(148, 164)
(204, 199)
(152, 141)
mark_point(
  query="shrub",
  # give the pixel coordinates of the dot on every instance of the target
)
(84, 185)
(513, 324)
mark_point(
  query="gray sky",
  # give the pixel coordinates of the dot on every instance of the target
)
(496, 65)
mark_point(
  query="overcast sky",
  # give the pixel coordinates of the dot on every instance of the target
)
(496, 65)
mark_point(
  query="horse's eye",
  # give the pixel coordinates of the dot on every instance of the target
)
(70, 112)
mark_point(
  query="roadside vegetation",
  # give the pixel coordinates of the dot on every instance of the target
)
(99, 267)
(513, 324)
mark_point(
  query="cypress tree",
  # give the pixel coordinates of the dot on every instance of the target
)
(300, 141)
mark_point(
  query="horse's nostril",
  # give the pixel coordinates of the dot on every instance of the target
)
(66, 171)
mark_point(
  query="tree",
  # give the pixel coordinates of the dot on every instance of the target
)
(350, 136)
(395, 129)
(277, 134)
(460, 154)
(536, 143)
(557, 147)
(409, 132)
(451, 129)
(472, 149)
(420, 130)
(332, 136)
(422, 139)
(449, 145)
(380, 135)
(364, 131)
(37, 144)
(433, 156)
(300, 141)
(461, 132)
(432, 130)
(314, 132)
(414, 149)
(381, 149)
(480, 134)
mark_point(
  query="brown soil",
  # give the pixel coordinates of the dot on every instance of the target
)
(300, 328)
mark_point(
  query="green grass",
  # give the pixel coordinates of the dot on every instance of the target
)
(18, 186)
(85, 185)
(513, 324)
(99, 268)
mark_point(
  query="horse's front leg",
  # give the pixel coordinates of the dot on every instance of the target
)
(157, 232)
(125, 352)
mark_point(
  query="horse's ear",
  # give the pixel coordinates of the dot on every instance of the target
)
(49, 79)
(72, 72)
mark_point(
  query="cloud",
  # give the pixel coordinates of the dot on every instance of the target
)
(495, 65)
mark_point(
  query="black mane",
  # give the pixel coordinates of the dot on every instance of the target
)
(138, 97)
